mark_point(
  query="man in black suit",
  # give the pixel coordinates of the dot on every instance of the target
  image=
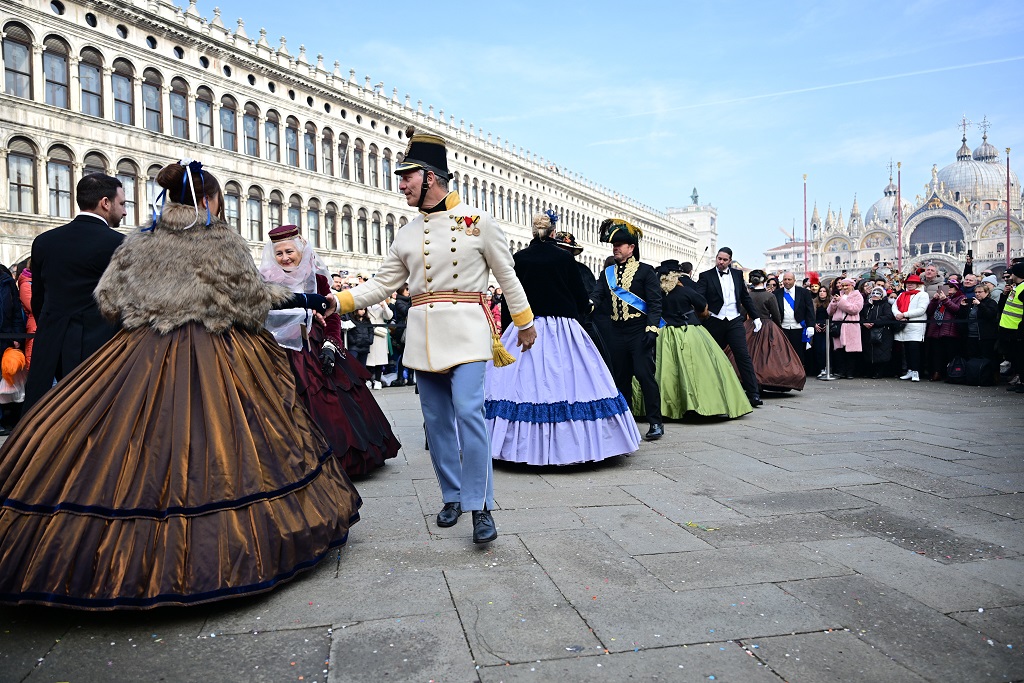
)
(631, 291)
(797, 309)
(67, 263)
(726, 294)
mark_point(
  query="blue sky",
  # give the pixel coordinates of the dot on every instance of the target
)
(653, 98)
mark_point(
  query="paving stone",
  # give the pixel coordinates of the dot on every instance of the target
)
(829, 657)
(620, 472)
(398, 517)
(910, 502)
(825, 461)
(579, 497)
(948, 546)
(1007, 482)
(782, 480)
(27, 634)
(517, 615)
(1008, 504)
(770, 530)
(999, 464)
(1004, 625)
(102, 654)
(793, 502)
(694, 664)
(673, 502)
(919, 480)
(928, 643)
(740, 566)
(653, 619)
(384, 487)
(942, 587)
(1005, 573)
(326, 600)
(374, 558)
(429, 647)
(706, 480)
(639, 530)
(935, 466)
(1005, 533)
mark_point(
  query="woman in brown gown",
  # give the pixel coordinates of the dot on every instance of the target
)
(177, 465)
(776, 364)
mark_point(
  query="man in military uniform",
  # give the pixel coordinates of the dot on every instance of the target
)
(447, 254)
(632, 291)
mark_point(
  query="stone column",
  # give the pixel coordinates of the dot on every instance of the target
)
(139, 115)
(74, 85)
(107, 90)
(193, 118)
(166, 124)
(5, 196)
(38, 77)
(42, 186)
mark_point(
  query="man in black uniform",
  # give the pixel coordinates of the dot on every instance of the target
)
(632, 291)
(726, 294)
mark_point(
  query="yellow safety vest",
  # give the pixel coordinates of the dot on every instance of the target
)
(1013, 310)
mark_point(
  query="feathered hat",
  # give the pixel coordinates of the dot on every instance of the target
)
(813, 278)
(618, 230)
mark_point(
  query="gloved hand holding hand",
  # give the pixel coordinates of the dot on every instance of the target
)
(757, 325)
(650, 340)
(328, 357)
(810, 332)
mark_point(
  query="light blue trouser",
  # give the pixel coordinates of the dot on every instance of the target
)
(453, 409)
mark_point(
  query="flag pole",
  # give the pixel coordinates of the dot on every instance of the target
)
(806, 270)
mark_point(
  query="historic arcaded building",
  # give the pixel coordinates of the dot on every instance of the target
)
(128, 86)
(961, 208)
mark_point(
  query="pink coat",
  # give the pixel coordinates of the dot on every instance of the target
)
(848, 308)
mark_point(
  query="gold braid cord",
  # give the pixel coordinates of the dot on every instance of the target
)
(620, 309)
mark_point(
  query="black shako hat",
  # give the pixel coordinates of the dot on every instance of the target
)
(426, 152)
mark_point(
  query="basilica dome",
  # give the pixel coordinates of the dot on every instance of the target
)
(884, 210)
(978, 177)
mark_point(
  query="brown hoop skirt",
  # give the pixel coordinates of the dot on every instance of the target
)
(776, 364)
(168, 470)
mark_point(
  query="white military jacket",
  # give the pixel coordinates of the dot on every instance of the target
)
(454, 249)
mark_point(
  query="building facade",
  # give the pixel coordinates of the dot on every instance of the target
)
(127, 87)
(962, 209)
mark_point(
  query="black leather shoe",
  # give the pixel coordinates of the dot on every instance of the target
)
(483, 527)
(449, 515)
(656, 431)
(755, 401)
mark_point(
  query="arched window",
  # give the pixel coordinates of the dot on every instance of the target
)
(55, 72)
(94, 162)
(204, 115)
(346, 228)
(493, 207)
(331, 226)
(465, 188)
(21, 172)
(371, 165)
(90, 75)
(361, 232)
(327, 151)
(476, 194)
(499, 208)
(357, 162)
(385, 170)
(233, 205)
(124, 92)
(309, 146)
(343, 158)
(17, 46)
(389, 231)
(515, 205)
(291, 142)
(276, 208)
(251, 129)
(878, 257)
(254, 215)
(508, 205)
(152, 189)
(179, 108)
(313, 223)
(1000, 247)
(59, 181)
(152, 100)
(272, 134)
(128, 173)
(375, 233)
(228, 123)
(295, 211)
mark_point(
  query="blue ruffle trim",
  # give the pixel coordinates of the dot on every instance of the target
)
(562, 411)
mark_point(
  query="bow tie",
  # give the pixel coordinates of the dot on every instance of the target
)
(723, 273)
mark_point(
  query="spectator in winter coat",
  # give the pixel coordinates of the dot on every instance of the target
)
(877, 333)
(25, 294)
(980, 319)
(911, 308)
(360, 336)
(943, 331)
(845, 309)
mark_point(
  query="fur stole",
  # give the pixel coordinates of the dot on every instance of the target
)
(669, 281)
(173, 275)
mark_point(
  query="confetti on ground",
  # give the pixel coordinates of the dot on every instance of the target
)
(701, 526)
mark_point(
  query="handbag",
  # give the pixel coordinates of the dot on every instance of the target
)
(876, 335)
(835, 329)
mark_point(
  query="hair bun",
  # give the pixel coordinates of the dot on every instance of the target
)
(171, 176)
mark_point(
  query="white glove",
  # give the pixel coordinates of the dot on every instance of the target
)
(757, 325)
(810, 331)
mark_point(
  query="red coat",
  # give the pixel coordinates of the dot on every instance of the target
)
(848, 308)
(948, 326)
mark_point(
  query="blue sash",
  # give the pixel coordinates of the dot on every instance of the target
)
(789, 299)
(627, 296)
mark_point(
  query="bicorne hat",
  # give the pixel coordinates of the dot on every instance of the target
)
(567, 241)
(426, 152)
(617, 230)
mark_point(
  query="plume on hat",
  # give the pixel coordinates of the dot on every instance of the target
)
(611, 227)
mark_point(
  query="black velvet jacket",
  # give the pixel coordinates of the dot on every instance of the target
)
(680, 301)
(645, 283)
(551, 278)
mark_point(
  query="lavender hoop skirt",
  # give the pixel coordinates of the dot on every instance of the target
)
(557, 404)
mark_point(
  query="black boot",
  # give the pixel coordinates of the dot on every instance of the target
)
(755, 400)
(656, 431)
(484, 530)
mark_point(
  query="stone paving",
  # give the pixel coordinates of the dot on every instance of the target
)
(857, 531)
